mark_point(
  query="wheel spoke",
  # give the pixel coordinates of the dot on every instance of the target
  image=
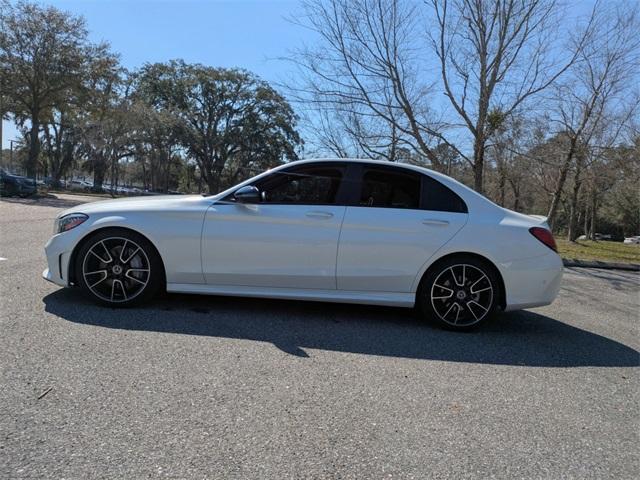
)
(134, 278)
(124, 291)
(450, 308)
(443, 297)
(455, 279)
(483, 277)
(473, 302)
(481, 290)
(98, 256)
(113, 289)
(103, 272)
(130, 256)
(93, 273)
(107, 251)
(124, 246)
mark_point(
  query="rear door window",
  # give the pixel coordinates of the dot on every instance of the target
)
(389, 188)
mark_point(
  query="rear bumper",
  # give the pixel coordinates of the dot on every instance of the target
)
(533, 282)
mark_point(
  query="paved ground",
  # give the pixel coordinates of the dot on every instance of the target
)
(203, 387)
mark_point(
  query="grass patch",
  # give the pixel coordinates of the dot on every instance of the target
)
(601, 250)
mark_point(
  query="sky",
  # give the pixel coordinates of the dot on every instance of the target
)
(250, 34)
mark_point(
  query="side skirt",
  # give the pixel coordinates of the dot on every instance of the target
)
(392, 299)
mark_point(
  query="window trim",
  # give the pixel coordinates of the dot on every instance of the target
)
(350, 188)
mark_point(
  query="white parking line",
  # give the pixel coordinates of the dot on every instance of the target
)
(2, 258)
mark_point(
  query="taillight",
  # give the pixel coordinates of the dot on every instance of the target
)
(545, 236)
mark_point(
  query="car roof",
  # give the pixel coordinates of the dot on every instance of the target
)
(355, 160)
(384, 163)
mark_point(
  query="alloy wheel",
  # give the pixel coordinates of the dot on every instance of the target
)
(462, 295)
(116, 269)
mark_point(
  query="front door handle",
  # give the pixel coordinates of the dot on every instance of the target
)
(434, 222)
(318, 214)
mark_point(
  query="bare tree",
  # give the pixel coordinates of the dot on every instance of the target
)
(494, 56)
(366, 70)
(599, 88)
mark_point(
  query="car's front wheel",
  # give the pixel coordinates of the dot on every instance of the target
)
(459, 293)
(118, 268)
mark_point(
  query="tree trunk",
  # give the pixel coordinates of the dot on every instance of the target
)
(99, 170)
(502, 185)
(478, 165)
(586, 219)
(557, 192)
(144, 175)
(573, 214)
(34, 147)
(213, 182)
(515, 188)
(594, 207)
(115, 174)
(98, 180)
(572, 233)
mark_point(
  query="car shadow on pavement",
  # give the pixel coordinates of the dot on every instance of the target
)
(519, 338)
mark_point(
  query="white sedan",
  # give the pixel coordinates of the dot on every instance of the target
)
(354, 231)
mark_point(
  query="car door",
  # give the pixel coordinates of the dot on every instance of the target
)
(289, 239)
(399, 219)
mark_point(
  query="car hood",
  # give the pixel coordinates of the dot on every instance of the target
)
(150, 203)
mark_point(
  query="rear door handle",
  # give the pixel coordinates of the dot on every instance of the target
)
(434, 222)
(319, 215)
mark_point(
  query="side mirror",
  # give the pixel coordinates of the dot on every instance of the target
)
(247, 194)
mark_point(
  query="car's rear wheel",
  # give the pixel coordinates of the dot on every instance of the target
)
(459, 293)
(118, 268)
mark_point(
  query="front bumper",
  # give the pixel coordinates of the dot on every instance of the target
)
(47, 275)
(58, 252)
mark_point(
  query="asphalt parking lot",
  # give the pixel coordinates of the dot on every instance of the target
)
(214, 387)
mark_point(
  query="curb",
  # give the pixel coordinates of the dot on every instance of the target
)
(574, 262)
(106, 196)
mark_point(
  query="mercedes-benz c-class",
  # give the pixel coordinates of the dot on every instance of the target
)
(354, 231)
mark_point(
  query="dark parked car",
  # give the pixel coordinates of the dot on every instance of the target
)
(12, 185)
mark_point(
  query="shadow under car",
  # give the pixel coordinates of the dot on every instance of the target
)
(521, 338)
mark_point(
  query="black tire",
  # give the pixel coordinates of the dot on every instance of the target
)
(459, 293)
(133, 270)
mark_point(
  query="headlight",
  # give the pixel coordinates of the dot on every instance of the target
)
(66, 223)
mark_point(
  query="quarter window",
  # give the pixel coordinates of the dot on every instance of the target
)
(304, 186)
(438, 197)
(386, 188)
